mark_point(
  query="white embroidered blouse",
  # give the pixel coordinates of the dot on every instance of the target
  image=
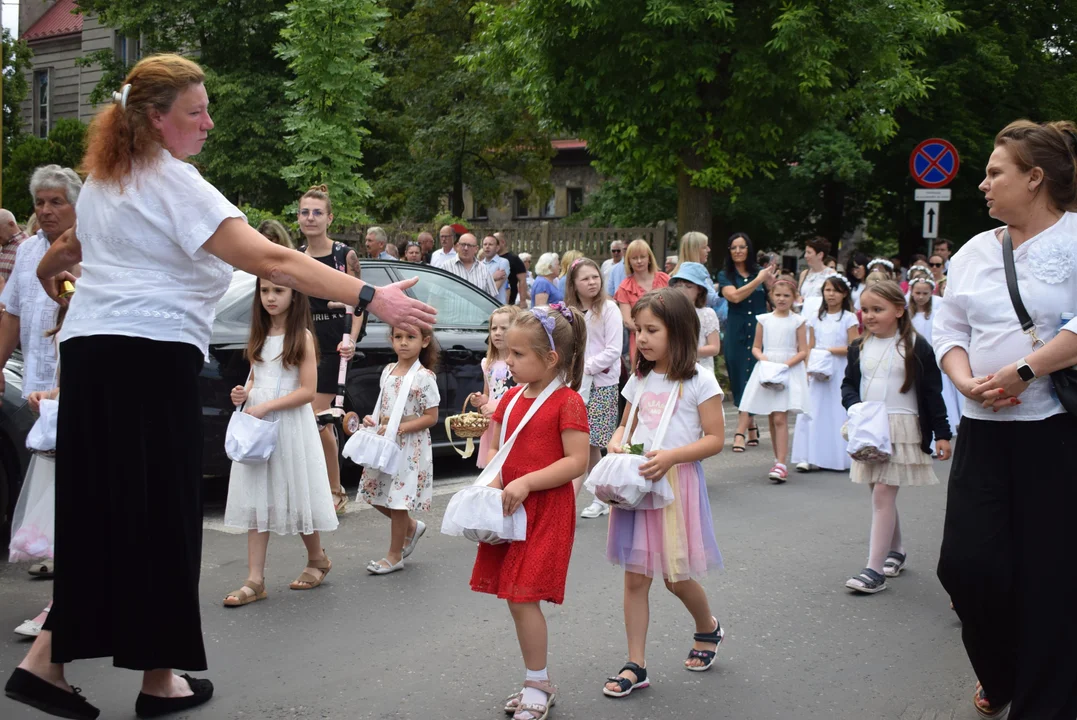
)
(979, 317)
(144, 272)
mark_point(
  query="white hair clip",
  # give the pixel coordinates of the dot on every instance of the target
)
(120, 98)
(879, 261)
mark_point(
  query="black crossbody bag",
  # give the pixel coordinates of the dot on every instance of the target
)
(1064, 380)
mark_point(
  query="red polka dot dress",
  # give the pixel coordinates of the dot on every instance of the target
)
(536, 568)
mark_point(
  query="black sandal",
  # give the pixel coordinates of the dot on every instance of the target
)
(753, 442)
(738, 448)
(625, 685)
(707, 656)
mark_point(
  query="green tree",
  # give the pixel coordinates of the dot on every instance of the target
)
(1013, 60)
(326, 44)
(64, 146)
(16, 62)
(707, 93)
(233, 41)
(438, 125)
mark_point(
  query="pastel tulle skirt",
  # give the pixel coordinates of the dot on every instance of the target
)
(677, 542)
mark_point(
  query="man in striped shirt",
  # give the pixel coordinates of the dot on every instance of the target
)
(467, 266)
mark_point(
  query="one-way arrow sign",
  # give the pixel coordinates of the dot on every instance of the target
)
(931, 220)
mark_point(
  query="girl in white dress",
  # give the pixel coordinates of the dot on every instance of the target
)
(923, 304)
(289, 493)
(780, 337)
(398, 495)
(817, 440)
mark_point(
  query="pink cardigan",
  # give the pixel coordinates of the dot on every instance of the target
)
(604, 345)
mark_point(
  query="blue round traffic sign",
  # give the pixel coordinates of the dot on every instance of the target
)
(934, 163)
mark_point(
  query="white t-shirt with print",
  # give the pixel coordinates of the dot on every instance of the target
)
(144, 272)
(684, 427)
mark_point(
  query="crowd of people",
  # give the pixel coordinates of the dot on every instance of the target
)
(572, 339)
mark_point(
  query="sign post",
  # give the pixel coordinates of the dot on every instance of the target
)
(933, 165)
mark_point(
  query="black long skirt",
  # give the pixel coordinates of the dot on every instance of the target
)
(128, 504)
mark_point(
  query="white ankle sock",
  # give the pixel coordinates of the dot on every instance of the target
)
(531, 695)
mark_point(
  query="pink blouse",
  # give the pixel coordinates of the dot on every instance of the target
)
(604, 345)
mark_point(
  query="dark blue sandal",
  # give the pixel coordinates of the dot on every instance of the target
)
(868, 581)
(894, 564)
(706, 656)
(625, 686)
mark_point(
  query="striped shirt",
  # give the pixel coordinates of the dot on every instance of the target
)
(477, 275)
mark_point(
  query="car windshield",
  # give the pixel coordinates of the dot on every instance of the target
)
(458, 303)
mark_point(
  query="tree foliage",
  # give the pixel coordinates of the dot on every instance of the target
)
(708, 93)
(16, 62)
(64, 146)
(438, 125)
(326, 44)
(245, 79)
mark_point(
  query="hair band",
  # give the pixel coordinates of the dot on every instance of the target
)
(547, 322)
(929, 281)
(840, 278)
(783, 280)
(879, 261)
(120, 98)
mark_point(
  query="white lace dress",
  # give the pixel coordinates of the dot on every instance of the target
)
(289, 493)
(779, 344)
(708, 323)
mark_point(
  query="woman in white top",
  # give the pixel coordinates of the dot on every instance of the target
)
(1009, 535)
(157, 243)
(812, 277)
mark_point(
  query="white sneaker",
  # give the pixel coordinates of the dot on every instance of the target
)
(596, 509)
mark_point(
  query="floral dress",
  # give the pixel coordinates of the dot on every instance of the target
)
(498, 380)
(413, 486)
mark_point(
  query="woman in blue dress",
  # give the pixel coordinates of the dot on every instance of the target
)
(744, 285)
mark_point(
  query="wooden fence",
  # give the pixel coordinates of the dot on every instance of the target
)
(535, 239)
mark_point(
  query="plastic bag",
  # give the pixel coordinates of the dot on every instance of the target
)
(773, 375)
(42, 436)
(34, 520)
(477, 513)
(868, 433)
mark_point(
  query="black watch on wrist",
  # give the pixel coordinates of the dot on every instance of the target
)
(366, 296)
(1024, 371)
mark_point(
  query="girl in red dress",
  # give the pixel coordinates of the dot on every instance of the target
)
(544, 345)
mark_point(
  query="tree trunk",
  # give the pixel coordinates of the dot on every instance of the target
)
(456, 200)
(693, 203)
(834, 215)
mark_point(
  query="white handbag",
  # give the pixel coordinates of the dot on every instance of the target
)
(42, 436)
(820, 364)
(773, 375)
(249, 440)
(382, 452)
(868, 428)
(476, 512)
(616, 478)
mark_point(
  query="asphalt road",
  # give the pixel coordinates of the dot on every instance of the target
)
(420, 644)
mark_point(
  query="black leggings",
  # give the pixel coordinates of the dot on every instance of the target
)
(1006, 561)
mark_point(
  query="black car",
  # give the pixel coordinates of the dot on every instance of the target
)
(15, 422)
(461, 331)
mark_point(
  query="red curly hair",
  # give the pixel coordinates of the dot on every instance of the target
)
(119, 137)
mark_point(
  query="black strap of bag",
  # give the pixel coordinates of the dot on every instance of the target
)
(1065, 380)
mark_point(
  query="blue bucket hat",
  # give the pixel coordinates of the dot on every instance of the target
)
(695, 273)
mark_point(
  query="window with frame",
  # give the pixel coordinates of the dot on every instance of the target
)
(575, 200)
(42, 104)
(128, 49)
(459, 305)
(520, 201)
(550, 208)
(478, 210)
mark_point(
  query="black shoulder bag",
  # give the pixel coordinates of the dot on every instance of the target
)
(1064, 380)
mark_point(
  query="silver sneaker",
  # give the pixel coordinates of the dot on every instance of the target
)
(596, 509)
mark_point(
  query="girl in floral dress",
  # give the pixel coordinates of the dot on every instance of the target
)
(397, 496)
(495, 372)
(546, 345)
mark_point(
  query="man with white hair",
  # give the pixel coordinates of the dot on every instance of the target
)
(447, 252)
(376, 240)
(617, 248)
(31, 313)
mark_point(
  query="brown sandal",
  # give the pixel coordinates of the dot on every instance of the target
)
(241, 597)
(341, 500)
(307, 581)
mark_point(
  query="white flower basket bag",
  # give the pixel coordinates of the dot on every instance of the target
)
(616, 478)
(773, 375)
(476, 512)
(382, 452)
(249, 440)
(868, 428)
(820, 364)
